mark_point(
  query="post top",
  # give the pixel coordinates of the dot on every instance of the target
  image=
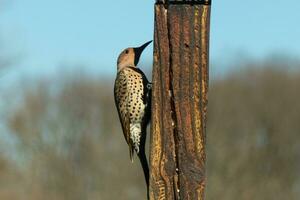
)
(167, 2)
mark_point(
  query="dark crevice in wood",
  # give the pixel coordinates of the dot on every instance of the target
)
(173, 112)
(161, 95)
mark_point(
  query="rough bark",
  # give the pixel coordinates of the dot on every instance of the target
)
(179, 101)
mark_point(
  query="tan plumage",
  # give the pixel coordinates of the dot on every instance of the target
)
(132, 93)
(129, 95)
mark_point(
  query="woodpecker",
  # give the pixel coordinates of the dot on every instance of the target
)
(132, 93)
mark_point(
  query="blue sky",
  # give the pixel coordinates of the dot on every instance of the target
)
(48, 35)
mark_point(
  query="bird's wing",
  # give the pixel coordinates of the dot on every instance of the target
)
(121, 101)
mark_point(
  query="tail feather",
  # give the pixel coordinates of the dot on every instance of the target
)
(131, 152)
(143, 158)
(144, 163)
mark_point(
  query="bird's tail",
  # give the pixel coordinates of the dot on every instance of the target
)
(131, 152)
(144, 163)
(143, 158)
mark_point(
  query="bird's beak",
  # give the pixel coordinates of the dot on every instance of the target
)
(138, 51)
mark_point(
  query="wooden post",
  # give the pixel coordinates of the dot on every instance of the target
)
(179, 102)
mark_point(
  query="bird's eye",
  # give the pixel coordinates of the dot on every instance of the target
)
(126, 51)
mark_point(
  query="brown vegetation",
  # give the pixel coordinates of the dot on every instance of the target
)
(70, 145)
(253, 136)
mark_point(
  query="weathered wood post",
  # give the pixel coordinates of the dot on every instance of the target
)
(179, 102)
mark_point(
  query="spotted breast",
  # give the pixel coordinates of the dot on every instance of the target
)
(132, 96)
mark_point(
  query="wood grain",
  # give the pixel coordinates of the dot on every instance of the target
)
(179, 102)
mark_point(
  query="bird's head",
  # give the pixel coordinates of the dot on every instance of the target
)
(130, 57)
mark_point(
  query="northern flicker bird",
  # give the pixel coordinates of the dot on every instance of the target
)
(133, 100)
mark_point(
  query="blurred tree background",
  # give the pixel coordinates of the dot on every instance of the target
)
(67, 140)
